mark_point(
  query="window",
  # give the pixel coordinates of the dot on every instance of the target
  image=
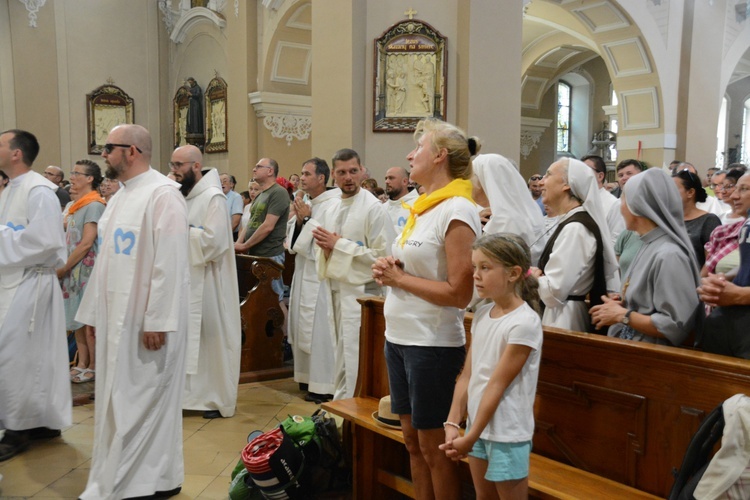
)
(563, 117)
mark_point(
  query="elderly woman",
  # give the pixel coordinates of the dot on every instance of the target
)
(499, 185)
(659, 303)
(430, 275)
(699, 223)
(578, 259)
(82, 217)
(722, 249)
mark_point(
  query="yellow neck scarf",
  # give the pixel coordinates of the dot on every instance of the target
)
(457, 187)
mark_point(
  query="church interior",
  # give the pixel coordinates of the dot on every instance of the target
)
(656, 80)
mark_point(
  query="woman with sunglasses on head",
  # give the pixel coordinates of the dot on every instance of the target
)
(699, 223)
(81, 220)
(722, 249)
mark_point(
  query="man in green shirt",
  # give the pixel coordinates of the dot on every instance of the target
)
(266, 230)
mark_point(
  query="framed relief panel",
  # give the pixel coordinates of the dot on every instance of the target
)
(410, 76)
(217, 139)
(107, 107)
(181, 105)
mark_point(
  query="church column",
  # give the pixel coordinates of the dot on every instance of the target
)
(700, 117)
(490, 101)
(338, 76)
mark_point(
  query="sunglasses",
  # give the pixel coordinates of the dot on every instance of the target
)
(535, 178)
(109, 147)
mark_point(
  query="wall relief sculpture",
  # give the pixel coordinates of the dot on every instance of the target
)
(217, 139)
(410, 76)
(107, 107)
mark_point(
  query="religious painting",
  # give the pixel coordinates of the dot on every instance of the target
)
(107, 107)
(410, 76)
(181, 105)
(216, 116)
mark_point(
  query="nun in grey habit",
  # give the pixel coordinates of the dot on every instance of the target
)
(659, 302)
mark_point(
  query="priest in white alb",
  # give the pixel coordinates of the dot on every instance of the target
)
(35, 400)
(137, 299)
(214, 332)
(309, 331)
(358, 234)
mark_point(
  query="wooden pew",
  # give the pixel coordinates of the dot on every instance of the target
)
(613, 417)
(262, 320)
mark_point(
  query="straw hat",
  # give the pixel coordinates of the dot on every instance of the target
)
(384, 416)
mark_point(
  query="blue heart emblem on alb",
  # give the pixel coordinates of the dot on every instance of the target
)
(121, 237)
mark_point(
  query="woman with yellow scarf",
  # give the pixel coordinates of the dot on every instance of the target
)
(81, 218)
(430, 275)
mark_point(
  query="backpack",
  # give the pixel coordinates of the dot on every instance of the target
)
(697, 457)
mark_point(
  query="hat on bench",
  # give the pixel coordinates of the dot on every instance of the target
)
(384, 416)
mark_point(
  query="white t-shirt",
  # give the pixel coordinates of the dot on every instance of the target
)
(513, 421)
(410, 320)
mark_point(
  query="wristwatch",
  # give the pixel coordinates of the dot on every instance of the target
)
(626, 318)
(305, 219)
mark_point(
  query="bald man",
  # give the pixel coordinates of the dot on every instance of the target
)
(137, 298)
(213, 350)
(56, 175)
(397, 189)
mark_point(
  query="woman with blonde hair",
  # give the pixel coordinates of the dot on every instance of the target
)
(430, 276)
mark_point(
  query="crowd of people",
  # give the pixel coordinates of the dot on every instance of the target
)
(142, 269)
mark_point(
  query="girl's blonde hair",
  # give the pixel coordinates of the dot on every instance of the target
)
(460, 147)
(511, 250)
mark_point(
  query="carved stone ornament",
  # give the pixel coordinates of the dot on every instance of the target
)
(33, 6)
(286, 116)
(531, 133)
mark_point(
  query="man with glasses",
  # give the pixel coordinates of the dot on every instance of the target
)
(213, 346)
(35, 401)
(55, 175)
(535, 188)
(266, 231)
(234, 202)
(137, 299)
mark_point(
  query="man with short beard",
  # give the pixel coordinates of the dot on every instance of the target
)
(137, 299)
(397, 189)
(213, 344)
(355, 236)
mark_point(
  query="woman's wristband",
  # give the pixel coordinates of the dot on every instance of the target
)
(452, 424)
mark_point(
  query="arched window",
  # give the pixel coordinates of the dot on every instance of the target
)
(563, 117)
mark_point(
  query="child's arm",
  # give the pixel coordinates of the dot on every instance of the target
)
(510, 365)
(460, 399)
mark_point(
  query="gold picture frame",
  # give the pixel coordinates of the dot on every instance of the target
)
(180, 105)
(106, 107)
(217, 125)
(411, 65)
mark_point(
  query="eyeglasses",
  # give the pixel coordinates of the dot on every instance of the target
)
(535, 178)
(74, 174)
(109, 147)
(726, 187)
(174, 165)
(262, 166)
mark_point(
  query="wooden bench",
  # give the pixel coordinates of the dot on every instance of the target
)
(262, 320)
(611, 415)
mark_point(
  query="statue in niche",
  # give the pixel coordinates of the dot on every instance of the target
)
(194, 123)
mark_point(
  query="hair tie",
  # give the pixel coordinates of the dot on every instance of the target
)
(528, 272)
(472, 146)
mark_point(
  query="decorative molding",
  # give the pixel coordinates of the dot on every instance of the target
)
(295, 22)
(531, 133)
(193, 17)
(592, 18)
(541, 84)
(626, 103)
(167, 14)
(304, 79)
(33, 6)
(273, 4)
(286, 116)
(634, 43)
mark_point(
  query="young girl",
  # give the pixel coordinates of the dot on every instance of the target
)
(498, 382)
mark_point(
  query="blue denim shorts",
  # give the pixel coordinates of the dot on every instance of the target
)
(505, 461)
(421, 380)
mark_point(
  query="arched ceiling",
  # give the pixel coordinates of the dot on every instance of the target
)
(561, 35)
